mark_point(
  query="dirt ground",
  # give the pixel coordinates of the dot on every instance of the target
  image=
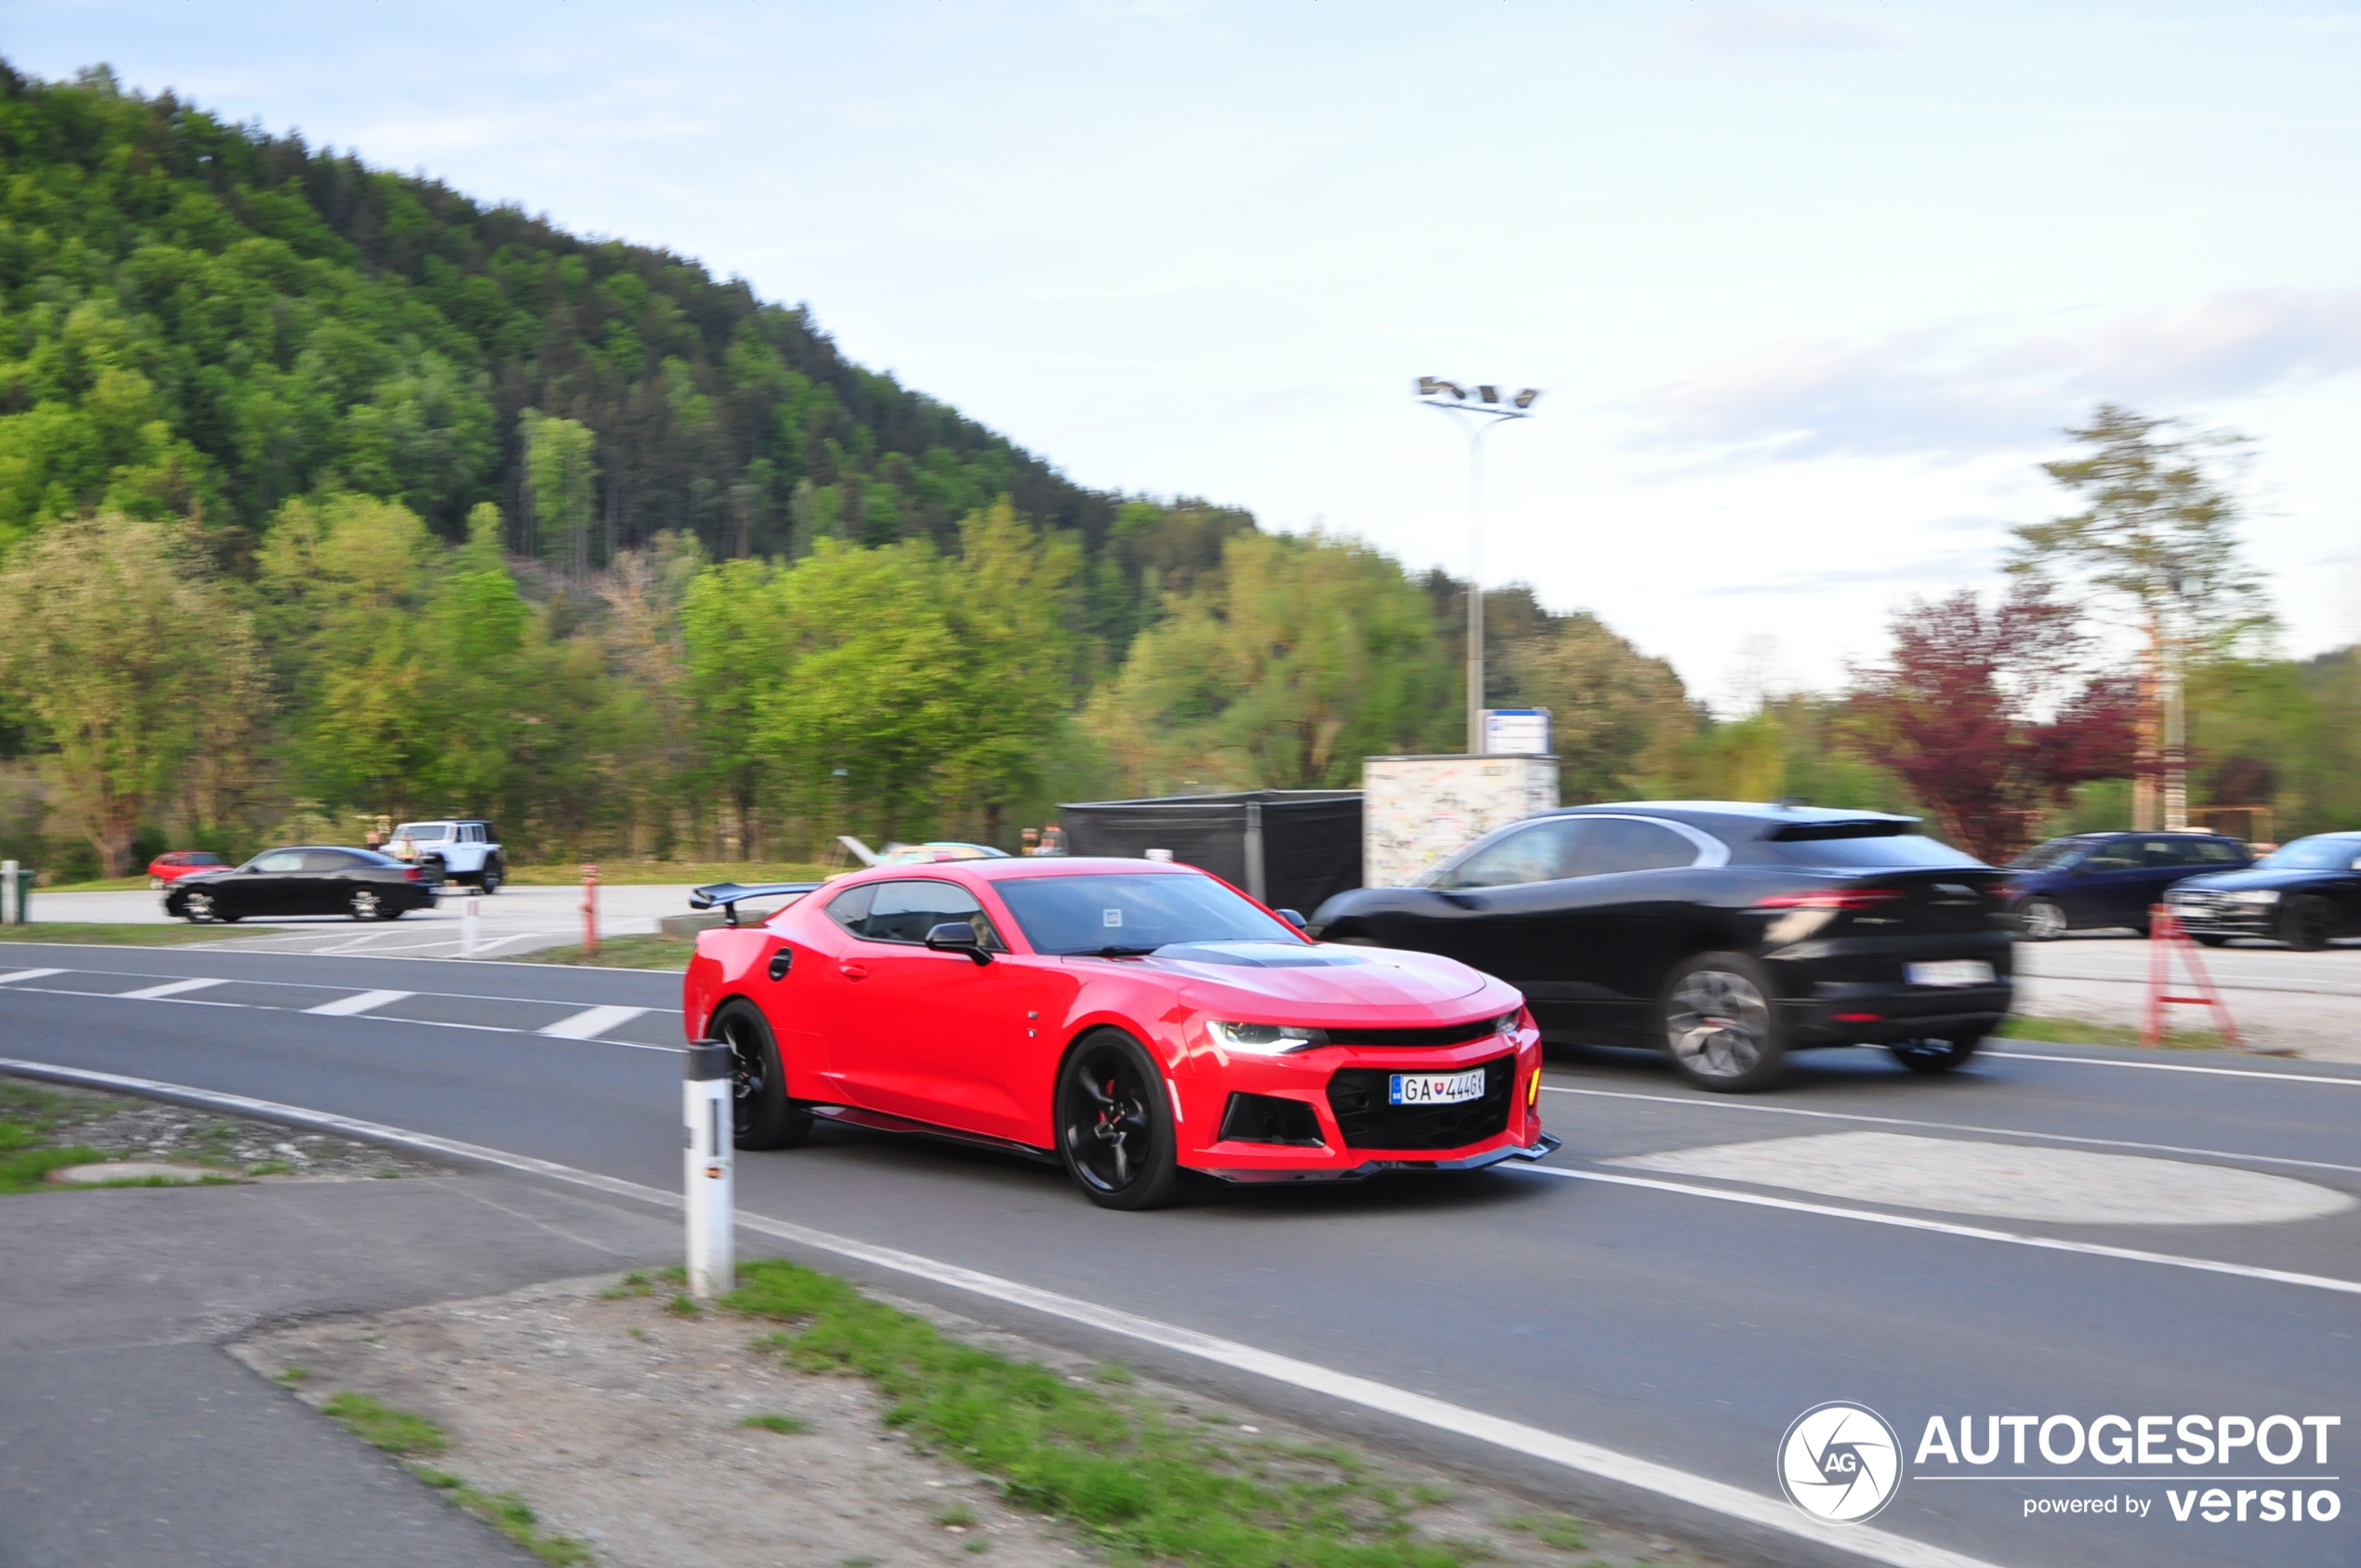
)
(619, 1420)
(123, 1127)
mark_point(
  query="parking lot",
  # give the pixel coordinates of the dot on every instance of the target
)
(2306, 1002)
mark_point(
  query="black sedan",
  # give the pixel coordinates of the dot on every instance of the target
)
(308, 879)
(2305, 894)
(1726, 933)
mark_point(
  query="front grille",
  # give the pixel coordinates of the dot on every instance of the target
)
(1357, 1094)
(1446, 1035)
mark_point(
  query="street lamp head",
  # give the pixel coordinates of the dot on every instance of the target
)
(1524, 399)
(1489, 394)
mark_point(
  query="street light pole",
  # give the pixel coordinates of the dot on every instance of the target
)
(1475, 419)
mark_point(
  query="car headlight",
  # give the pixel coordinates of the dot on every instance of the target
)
(2260, 895)
(1265, 1039)
(1506, 1023)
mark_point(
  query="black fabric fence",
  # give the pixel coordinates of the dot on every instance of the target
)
(1290, 847)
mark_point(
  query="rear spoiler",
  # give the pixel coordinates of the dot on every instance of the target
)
(727, 896)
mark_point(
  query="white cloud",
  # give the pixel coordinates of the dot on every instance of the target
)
(1963, 388)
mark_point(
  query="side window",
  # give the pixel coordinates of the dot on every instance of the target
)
(328, 860)
(2120, 854)
(2157, 852)
(849, 909)
(1535, 852)
(1615, 844)
(2211, 851)
(907, 911)
(285, 860)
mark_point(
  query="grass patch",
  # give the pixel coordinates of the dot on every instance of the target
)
(396, 1431)
(2074, 1032)
(104, 885)
(95, 934)
(664, 874)
(682, 1306)
(633, 1284)
(511, 1515)
(651, 952)
(291, 1375)
(271, 1168)
(958, 1516)
(1550, 1529)
(1144, 1488)
(787, 1425)
(27, 1170)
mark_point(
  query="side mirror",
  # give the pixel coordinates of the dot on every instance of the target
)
(956, 936)
(1293, 917)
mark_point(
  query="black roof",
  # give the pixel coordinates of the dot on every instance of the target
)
(1740, 819)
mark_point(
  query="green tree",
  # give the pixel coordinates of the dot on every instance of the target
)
(130, 659)
(1013, 616)
(1620, 719)
(1282, 670)
(561, 477)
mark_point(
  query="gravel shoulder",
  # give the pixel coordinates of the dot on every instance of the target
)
(618, 1419)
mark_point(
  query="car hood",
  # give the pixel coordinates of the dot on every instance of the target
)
(2250, 878)
(1217, 974)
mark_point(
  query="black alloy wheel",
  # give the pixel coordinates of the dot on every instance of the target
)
(1934, 1055)
(1720, 1025)
(488, 877)
(2042, 920)
(761, 1115)
(2304, 924)
(1115, 1124)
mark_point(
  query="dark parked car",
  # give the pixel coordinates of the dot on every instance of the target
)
(2304, 893)
(1723, 932)
(309, 879)
(2108, 879)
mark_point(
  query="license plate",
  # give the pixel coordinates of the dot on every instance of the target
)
(1952, 972)
(1432, 1088)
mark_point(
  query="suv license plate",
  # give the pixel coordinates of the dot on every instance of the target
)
(1428, 1088)
(1952, 972)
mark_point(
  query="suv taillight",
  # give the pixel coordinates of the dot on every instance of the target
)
(1831, 898)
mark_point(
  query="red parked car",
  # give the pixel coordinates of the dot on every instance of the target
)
(1130, 1019)
(170, 868)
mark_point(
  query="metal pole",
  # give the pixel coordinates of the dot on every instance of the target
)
(9, 916)
(1475, 589)
(708, 1167)
(590, 912)
(2176, 741)
(1254, 852)
(470, 927)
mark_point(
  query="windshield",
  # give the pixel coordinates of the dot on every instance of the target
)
(2325, 852)
(426, 831)
(2056, 855)
(1133, 913)
(1895, 850)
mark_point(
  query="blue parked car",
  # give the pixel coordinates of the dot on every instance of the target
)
(2109, 880)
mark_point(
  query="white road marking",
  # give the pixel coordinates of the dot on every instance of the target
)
(170, 988)
(27, 974)
(1753, 1508)
(2354, 1083)
(1946, 1228)
(360, 1002)
(1726, 1102)
(2002, 1180)
(591, 1022)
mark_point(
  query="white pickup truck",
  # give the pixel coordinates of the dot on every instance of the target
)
(461, 849)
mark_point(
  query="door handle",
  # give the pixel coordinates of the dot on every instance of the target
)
(852, 971)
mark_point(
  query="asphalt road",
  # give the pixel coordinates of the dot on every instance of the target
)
(1682, 1317)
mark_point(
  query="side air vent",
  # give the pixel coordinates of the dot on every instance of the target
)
(1266, 1118)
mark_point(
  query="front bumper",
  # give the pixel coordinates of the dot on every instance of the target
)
(1542, 1146)
(2226, 919)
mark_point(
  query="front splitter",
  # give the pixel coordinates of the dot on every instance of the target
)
(1540, 1148)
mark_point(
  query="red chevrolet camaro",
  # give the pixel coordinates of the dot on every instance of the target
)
(1130, 1018)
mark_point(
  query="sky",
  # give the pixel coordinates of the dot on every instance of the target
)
(1809, 292)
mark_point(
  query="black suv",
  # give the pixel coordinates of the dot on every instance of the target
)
(1724, 932)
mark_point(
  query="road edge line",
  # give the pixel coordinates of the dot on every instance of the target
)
(1682, 1486)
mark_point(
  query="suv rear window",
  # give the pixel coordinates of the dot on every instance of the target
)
(1896, 850)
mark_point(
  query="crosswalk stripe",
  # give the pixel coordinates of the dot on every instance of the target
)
(27, 974)
(591, 1022)
(360, 1002)
(170, 988)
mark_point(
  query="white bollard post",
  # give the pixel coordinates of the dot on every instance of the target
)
(470, 926)
(9, 916)
(708, 1143)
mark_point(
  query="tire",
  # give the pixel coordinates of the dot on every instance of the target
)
(1720, 1024)
(2043, 919)
(761, 1115)
(488, 877)
(2304, 924)
(2207, 939)
(199, 909)
(1934, 1055)
(365, 904)
(1115, 1124)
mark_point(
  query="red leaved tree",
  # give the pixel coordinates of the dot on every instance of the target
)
(1991, 714)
